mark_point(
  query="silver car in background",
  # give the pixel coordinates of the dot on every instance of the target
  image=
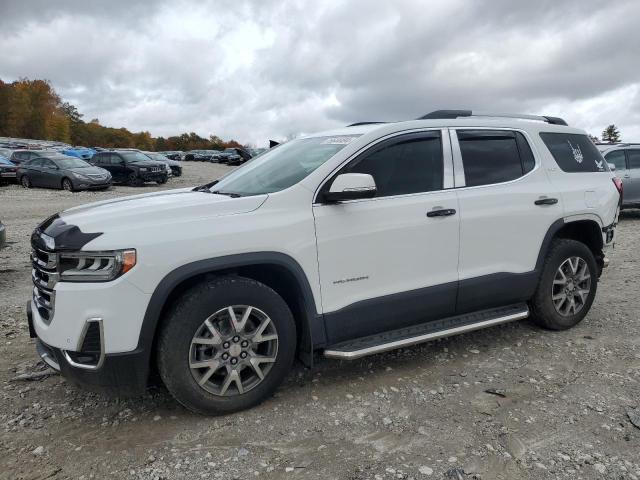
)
(626, 158)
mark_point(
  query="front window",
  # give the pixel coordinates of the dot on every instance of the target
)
(282, 166)
(134, 157)
(72, 163)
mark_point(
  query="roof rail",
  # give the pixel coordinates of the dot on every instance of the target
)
(357, 124)
(442, 114)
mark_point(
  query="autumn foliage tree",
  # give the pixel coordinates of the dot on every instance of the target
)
(32, 109)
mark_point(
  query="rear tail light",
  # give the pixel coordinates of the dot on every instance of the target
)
(618, 183)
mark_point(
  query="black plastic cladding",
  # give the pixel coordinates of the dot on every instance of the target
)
(66, 236)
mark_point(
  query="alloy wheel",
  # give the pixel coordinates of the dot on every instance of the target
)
(66, 184)
(571, 286)
(233, 350)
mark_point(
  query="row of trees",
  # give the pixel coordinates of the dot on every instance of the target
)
(32, 109)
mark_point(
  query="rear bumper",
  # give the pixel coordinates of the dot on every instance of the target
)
(123, 374)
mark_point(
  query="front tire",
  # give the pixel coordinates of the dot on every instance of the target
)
(67, 185)
(567, 287)
(226, 345)
(133, 180)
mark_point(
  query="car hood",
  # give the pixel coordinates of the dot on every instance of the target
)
(146, 164)
(88, 170)
(139, 212)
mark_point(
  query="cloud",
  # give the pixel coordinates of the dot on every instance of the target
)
(258, 70)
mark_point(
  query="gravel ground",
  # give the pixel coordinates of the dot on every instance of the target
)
(509, 402)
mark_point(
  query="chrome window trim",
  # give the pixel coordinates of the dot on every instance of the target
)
(536, 155)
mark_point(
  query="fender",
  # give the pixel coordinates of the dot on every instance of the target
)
(546, 243)
(313, 331)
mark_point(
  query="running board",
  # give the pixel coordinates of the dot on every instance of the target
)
(425, 332)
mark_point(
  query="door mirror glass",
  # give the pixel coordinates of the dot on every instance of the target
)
(612, 166)
(351, 186)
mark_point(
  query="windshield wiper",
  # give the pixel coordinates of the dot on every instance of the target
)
(228, 194)
(205, 187)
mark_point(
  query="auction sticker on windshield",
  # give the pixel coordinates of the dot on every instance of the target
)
(340, 140)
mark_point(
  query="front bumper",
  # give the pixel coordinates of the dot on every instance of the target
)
(153, 176)
(116, 373)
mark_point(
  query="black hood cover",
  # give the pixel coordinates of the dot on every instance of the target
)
(65, 236)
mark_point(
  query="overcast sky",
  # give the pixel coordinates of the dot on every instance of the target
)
(254, 70)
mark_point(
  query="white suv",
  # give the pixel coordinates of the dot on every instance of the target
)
(351, 242)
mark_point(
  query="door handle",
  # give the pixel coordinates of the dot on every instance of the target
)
(627, 176)
(546, 201)
(443, 212)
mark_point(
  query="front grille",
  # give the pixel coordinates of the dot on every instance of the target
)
(44, 276)
(156, 169)
(96, 176)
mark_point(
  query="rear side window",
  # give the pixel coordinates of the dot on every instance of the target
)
(574, 153)
(494, 156)
(412, 164)
(618, 158)
(634, 158)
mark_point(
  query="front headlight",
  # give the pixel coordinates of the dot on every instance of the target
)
(95, 266)
(80, 176)
(143, 169)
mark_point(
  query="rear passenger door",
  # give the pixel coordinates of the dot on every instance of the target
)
(498, 181)
(632, 179)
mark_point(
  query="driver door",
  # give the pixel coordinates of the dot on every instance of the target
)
(386, 262)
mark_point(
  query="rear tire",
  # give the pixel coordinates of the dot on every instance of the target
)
(567, 286)
(25, 181)
(206, 360)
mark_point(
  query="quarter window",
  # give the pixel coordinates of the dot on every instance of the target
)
(634, 158)
(617, 157)
(493, 156)
(574, 153)
(410, 164)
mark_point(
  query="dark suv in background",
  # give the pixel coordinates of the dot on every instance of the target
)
(131, 167)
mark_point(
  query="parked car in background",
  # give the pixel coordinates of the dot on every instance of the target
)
(8, 170)
(6, 152)
(131, 167)
(3, 235)
(19, 156)
(245, 154)
(230, 157)
(202, 155)
(626, 158)
(173, 154)
(175, 167)
(79, 152)
(257, 151)
(61, 171)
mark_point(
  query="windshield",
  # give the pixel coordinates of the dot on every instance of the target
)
(5, 160)
(71, 163)
(283, 166)
(135, 157)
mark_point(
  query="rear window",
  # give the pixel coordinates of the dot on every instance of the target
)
(574, 153)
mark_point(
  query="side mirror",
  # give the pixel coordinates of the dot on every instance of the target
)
(612, 167)
(351, 186)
